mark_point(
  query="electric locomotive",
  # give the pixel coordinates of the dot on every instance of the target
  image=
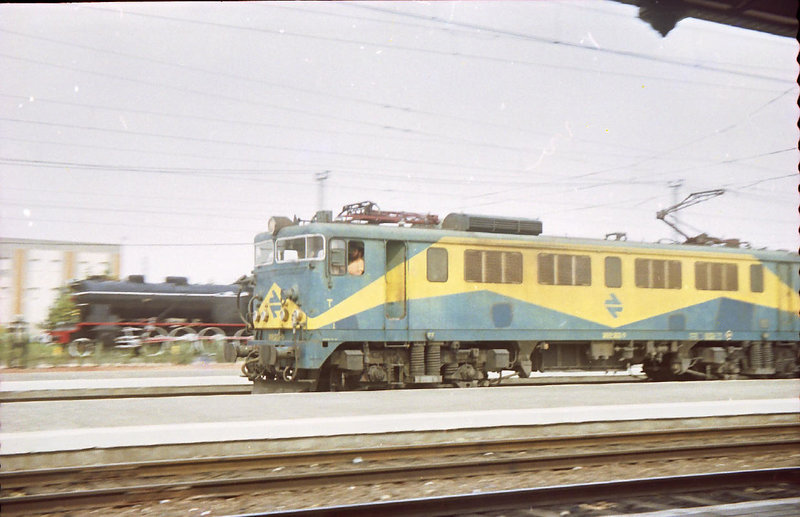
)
(376, 299)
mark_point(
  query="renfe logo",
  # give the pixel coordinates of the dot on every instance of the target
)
(613, 305)
(273, 301)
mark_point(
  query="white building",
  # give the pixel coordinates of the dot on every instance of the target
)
(33, 271)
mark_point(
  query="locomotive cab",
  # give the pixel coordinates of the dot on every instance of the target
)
(309, 299)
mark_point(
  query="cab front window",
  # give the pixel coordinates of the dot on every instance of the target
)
(264, 253)
(294, 249)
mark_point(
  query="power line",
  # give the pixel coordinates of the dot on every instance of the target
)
(140, 211)
(207, 119)
(673, 149)
(471, 32)
(567, 44)
(254, 145)
(382, 126)
(528, 37)
(292, 88)
(132, 224)
(441, 139)
(132, 168)
(135, 245)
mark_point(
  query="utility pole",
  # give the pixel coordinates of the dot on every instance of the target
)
(320, 177)
(675, 186)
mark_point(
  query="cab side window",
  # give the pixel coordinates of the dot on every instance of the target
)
(347, 257)
(338, 253)
(355, 258)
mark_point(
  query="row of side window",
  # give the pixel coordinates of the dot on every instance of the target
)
(505, 267)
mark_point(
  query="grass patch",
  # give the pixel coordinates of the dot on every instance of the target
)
(37, 355)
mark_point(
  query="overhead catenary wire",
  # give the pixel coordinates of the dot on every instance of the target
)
(528, 37)
(568, 44)
(352, 174)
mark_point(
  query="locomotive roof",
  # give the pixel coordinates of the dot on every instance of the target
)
(434, 234)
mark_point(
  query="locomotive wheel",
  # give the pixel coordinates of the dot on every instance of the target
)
(182, 338)
(154, 341)
(210, 340)
(81, 347)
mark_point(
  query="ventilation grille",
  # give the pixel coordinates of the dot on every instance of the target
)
(479, 223)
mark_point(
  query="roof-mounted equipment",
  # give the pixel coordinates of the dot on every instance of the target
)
(491, 224)
(276, 223)
(367, 212)
(702, 239)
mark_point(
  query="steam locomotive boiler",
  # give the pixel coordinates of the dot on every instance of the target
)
(151, 316)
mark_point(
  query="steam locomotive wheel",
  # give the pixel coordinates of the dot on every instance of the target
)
(184, 338)
(81, 347)
(154, 341)
(211, 339)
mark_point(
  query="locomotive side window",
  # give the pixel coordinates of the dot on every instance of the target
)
(355, 257)
(613, 272)
(316, 247)
(658, 274)
(338, 257)
(716, 276)
(347, 257)
(564, 269)
(293, 249)
(437, 265)
(757, 278)
(264, 253)
(493, 267)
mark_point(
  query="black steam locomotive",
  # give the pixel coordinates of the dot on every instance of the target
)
(153, 317)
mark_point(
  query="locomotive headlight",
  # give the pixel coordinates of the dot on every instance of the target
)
(275, 224)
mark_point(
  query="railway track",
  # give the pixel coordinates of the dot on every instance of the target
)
(29, 492)
(747, 492)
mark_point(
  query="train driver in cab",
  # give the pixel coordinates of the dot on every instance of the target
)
(355, 262)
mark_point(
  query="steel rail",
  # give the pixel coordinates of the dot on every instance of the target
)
(509, 500)
(56, 395)
(360, 473)
(27, 478)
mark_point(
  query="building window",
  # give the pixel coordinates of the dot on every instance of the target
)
(564, 269)
(716, 276)
(757, 278)
(437, 265)
(658, 274)
(493, 267)
(613, 272)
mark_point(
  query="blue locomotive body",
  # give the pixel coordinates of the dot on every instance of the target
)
(447, 304)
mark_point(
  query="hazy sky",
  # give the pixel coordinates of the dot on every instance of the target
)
(177, 130)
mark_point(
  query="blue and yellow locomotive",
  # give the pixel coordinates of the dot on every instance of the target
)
(354, 303)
